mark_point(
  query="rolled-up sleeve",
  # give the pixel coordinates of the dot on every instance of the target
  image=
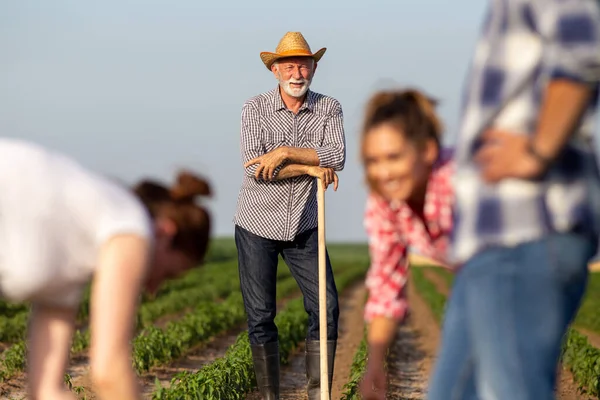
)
(387, 275)
(250, 142)
(571, 29)
(332, 153)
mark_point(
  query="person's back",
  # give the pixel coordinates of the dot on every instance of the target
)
(62, 225)
(62, 211)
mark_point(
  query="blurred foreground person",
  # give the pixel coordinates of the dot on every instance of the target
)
(527, 204)
(409, 204)
(290, 135)
(62, 225)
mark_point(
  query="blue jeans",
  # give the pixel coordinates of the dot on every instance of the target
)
(506, 318)
(257, 263)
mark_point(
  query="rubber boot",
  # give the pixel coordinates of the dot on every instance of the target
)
(313, 367)
(266, 368)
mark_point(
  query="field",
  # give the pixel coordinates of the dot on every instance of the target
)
(191, 341)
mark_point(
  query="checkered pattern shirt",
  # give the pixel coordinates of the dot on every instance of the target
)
(280, 210)
(525, 44)
(393, 228)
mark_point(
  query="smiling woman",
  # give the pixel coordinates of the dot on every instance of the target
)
(408, 174)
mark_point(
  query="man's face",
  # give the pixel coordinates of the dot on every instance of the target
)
(294, 74)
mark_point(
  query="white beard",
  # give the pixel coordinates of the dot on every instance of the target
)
(292, 91)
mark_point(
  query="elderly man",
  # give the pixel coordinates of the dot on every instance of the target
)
(526, 200)
(289, 136)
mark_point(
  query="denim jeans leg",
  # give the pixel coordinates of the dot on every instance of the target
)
(302, 257)
(453, 375)
(519, 303)
(257, 265)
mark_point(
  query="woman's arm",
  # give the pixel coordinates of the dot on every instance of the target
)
(386, 305)
(116, 290)
(50, 333)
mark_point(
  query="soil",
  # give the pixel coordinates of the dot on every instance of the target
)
(412, 356)
(440, 284)
(410, 363)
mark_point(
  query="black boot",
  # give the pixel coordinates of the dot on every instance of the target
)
(266, 368)
(313, 367)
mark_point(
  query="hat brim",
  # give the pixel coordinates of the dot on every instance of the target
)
(269, 58)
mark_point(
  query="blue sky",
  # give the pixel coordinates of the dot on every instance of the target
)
(140, 88)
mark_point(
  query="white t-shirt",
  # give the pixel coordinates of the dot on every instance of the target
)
(54, 217)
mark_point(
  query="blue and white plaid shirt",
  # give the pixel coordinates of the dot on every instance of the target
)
(523, 45)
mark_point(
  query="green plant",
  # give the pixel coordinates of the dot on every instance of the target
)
(357, 370)
(232, 376)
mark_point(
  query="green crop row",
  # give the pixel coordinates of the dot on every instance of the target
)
(583, 360)
(232, 376)
(213, 281)
(588, 316)
(436, 300)
(155, 346)
(221, 280)
(357, 370)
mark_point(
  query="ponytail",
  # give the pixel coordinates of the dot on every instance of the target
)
(178, 203)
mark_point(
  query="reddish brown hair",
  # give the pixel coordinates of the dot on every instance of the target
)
(178, 203)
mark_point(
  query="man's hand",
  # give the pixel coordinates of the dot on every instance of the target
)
(327, 176)
(268, 163)
(373, 385)
(506, 155)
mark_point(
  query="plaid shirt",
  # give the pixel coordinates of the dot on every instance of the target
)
(280, 210)
(525, 44)
(392, 228)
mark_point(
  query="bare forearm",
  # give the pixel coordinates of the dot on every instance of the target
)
(563, 106)
(381, 334)
(50, 334)
(291, 171)
(120, 383)
(304, 156)
(115, 295)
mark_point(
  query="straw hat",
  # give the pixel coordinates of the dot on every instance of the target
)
(292, 44)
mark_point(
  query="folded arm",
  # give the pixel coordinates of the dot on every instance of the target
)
(286, 162)
(332, 153)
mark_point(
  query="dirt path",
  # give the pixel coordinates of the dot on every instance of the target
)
(13, 389)
(293, 375)
(192, 361)
(411, 358)
(440, 284)
(592, 337)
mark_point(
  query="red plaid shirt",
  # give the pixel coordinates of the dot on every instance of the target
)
(392, 228)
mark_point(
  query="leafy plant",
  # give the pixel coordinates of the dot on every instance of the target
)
(357, 370)
(232, 376)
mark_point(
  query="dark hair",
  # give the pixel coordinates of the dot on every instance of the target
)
(410, 111)
(178, 204)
